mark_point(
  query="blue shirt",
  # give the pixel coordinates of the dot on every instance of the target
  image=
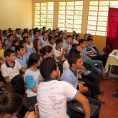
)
(7, 42)
(70, 77)
(28, 53)
(32, 39)
(84, 58)
(13, 48)
(65, 44)
(22, 61)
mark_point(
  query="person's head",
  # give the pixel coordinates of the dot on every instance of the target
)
(68, 38)
(90, 41)
(9, 29)
(10, 37)
(36, 33)
(75, 61)
(49, 68)
(20, 50)
(45, 34)
(40, 32)
(15, 43)
(86, 36)
(51, 40)
(59, 43)
(74, 33)
(23, 43)
(54, 32)
(34, 60)
(57, 29)
(47, 51)
(5, 32)
(9, 54)
(24, 34)
(82, 43)
(26, 38)
(77, 47)
(10, 104)
(44, 29)
(20, 31)
(77, 37)
(30, 32)
(71, 40)
(36, 44)
(55, 38)
(11, 32)
(73, 51)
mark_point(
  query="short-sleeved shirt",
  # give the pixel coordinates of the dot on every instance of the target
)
(52, 45)
(7, 42)
(70, 77)
(44, 42)
(32, 39)
(32, 78)
(65, 65)
(22, 61)
(10, 72)
(28, 53)
(30, 46)
(13, 48)
(84, 58)
(52, 98)
(75, 41)
(65, 44)
(57, 54)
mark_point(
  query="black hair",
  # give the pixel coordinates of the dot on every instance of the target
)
(43, 33)
(8, 52)
(10, 103)
(81, 41)
(45, 49)
(73, 51)
(21, 42)
(47, 66)
(18, 47)
(75, 46)
(25, 38)
(59, 41)
(50, 37)
(15, 41)
(11, 31)
(85, 34)
(35, 31)
(77, 35)
(72, 59)
(68, 36)
(24, 33)
(10, 35)
(53, 30)
(89, 39)
(4, 31)
(33, 58)
(43, 28)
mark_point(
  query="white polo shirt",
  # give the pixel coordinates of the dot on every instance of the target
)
(10, 72)
(57, 54)
(75, 41)
(52, 98)
(44, 42)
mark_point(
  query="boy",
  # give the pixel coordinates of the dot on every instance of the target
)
(20, 57)
(10, 69)
(51, 42)
(44, 39)
(52, 94)
(59, 51)
(76, 41)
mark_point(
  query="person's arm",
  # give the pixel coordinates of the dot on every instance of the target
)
(34, 89)
(91, 53)
(85, 104)
(62, 54)
(8, 80)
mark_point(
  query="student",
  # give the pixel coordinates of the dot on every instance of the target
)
(20, 57)
(71, 76)
(67, 43)
(53, 94)
(4, 35)
(14, 44)
(59, 51)
(10, 69)
(54, 33)
(29, 44)
(76, 40)
(51, 42)
(36, 46)
(46, 51)
(28, 51)
(32, 75)
(44, 39)
(1, 50)
(8, 43)
(10, 104)
(85, 36)
(31, 34)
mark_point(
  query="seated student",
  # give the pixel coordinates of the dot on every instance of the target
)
(8, 43)
(91, 52)
(94, 69)
(59, 51)
(31, 34)
(55, 38)
(1, 50)
(36, 36)
(4, 37)
(28, 51)
(85, 36)
(51, 42)
(53, 94)
(29, 44)
(10, 104)
(73, 33)
(32, 75)
(14, 44)
(36, 46)
(20, 57)
(10, 69)
(67, 43)
(76, 40)
(44, 39)
(71, 42)
(70, 75)
(46, 51)
(54, 32)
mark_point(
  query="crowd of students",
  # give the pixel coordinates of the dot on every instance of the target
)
(42, 57)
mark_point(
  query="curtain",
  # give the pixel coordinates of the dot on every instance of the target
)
(112, 31)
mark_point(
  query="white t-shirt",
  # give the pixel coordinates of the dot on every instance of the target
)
(65, 65)
(57, 54)
(10, 72)
(75, 41)
(52, 98)
(30, 46)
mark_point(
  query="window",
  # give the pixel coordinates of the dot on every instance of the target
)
(43, 15)
(70, 16)
(97, 17)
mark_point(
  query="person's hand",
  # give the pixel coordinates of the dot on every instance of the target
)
(1, 61)
(80, 86)
(30, 115)
(66, 48)
(1, 84)
(85, 89)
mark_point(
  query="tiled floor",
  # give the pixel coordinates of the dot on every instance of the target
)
(110, 108)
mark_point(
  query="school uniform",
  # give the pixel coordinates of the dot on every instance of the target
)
(52, 45)
(30, 46)
(7, 43)
(28, 53)
(65, 44)
(44, 42)
(75, 41)
(32, 79)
